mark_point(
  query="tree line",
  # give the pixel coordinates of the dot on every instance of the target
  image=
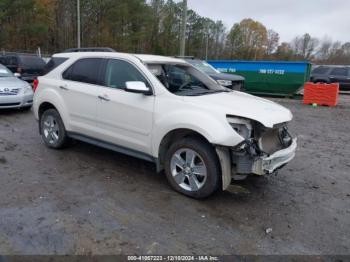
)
(151, 26)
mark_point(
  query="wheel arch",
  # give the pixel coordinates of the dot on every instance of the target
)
(174, 135)
(46, 98)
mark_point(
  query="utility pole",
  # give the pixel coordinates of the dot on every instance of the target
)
(206, 47)
(78, 24)
(183, 29)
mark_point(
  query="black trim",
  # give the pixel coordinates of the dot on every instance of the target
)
(112, 147)
(10, 104)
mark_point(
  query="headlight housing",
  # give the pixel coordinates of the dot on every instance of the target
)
(242, 126)
(225, 82)
(284, 136)
(27, 88)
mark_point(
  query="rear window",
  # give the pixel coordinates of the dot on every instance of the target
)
(31, 62)
(53, 63)
(320, 70)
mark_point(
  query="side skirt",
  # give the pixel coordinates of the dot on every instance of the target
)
(116, 148)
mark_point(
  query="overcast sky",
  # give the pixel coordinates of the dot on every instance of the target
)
(288, 17)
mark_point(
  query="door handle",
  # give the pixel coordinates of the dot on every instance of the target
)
(104, 98)
(64, 88)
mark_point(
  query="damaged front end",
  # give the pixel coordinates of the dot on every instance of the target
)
(263, 151)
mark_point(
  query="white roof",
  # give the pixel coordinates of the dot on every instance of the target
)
(143, 58)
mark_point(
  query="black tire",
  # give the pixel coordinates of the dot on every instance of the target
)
(61, 133)
(208, 157)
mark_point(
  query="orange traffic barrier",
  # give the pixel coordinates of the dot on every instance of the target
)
(321, 94)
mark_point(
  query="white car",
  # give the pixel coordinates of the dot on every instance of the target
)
(14, 92)
(166, 111)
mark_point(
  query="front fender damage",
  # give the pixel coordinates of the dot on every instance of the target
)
(225, 162)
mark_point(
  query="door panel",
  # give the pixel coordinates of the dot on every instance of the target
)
(124, 118)
(79, 91)
(81, 103)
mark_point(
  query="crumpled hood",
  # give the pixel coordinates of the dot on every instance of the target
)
(11, 82)
(244, 105)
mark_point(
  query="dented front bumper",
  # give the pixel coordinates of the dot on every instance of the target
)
(235, 165)
(269, 164)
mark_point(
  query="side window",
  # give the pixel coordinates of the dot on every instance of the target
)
(12, 60)
(85, 70)
(339, 71)
(119, 72)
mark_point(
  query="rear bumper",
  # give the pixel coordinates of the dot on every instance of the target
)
(16, 101)
(268, 165)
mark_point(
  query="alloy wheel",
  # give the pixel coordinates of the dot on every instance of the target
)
(51, 129)
(188, 169)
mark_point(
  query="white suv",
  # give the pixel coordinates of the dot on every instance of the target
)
(166, 111)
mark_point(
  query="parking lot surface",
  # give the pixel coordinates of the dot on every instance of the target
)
(88, 200)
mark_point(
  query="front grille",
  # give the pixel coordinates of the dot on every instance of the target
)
(9, 92)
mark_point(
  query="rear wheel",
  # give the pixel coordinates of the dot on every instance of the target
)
(52, 129)
(192, 168)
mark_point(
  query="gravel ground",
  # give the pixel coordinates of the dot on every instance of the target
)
(87, 200)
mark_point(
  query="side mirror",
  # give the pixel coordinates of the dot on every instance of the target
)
(17, 75)
(138, 87)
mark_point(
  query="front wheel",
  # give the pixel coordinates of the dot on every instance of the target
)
(192, 168)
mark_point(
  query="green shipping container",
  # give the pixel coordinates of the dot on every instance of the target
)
(268, 77)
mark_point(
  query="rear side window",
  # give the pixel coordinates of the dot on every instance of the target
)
(84, 70)
(53, 63)
(339, 71)
(119, 72)
(320, 70)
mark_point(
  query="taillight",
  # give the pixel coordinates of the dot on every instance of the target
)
(35, 84)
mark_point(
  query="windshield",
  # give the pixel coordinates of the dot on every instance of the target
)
(4, 72)
(185, 80)
(204, 67)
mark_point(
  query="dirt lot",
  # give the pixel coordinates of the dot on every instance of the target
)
(87, 200)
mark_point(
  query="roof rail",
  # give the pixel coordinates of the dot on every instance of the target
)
(185, 57)
(89, 49)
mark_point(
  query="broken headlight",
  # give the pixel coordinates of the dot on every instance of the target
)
(284, 137)
(242, 126)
